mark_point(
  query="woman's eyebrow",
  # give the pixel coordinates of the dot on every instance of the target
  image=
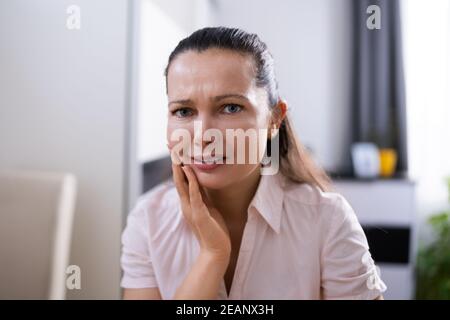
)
(216, 98)
(230, 95)
(183, 101)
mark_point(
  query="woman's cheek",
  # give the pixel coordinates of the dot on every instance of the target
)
(177, 133)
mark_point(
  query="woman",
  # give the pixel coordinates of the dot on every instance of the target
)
(222, 229)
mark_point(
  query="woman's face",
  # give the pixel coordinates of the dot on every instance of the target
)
(216, 88)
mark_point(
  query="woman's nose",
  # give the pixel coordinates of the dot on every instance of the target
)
(201, 126)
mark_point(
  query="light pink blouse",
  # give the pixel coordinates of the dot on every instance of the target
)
(298, 243)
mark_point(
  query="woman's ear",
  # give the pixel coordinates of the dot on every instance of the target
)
(278, 114)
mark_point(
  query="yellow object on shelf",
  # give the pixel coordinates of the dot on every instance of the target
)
(388, 162)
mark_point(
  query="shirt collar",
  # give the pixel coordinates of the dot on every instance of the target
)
(268, 199)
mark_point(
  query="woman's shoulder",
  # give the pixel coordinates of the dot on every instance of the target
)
(326, 212)
(162, 198)
(323, 203)
(310, 194)
(161, 190)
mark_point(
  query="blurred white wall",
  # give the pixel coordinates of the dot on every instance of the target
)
(163, 24)
(426, 28)
(63, 107)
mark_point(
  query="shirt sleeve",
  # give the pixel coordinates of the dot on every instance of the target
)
(348, 270)
(135, 260)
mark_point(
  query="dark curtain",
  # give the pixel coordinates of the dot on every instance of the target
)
(378, 91)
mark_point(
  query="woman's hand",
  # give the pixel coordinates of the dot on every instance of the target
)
(206, 221)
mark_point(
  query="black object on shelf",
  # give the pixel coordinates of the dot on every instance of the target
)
(154, 172)
(389, 244)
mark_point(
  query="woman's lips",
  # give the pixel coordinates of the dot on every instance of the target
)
(207, 165)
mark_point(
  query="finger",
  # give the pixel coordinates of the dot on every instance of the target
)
(183, 192)
(175, 158)
(194, 189)
(180, 181)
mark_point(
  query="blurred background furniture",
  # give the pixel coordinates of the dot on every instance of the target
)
(154, 172)
(36, 214)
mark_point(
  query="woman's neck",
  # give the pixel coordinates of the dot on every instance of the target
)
(233, 201)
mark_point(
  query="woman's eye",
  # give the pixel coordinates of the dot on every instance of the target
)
(232, 108)
(182, 112)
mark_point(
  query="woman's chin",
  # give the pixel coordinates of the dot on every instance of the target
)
(222, 176)
(216, 178)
